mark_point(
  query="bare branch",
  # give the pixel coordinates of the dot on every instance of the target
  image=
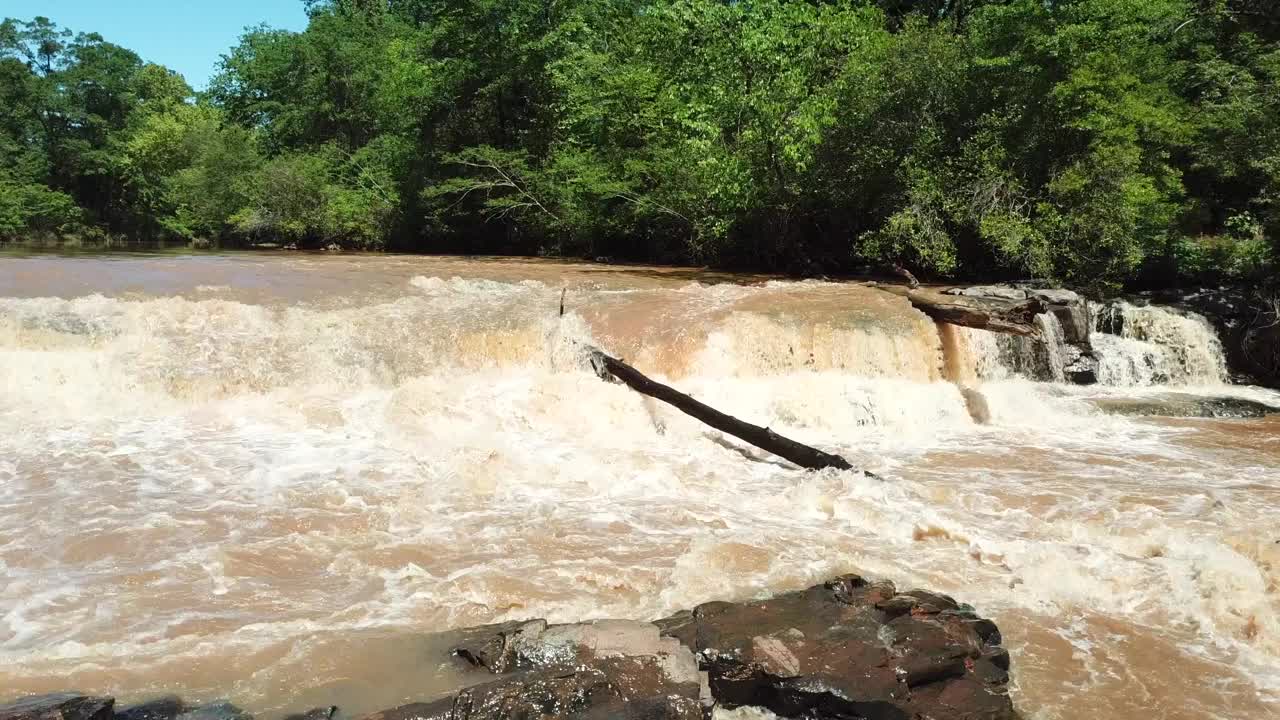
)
(508, 180)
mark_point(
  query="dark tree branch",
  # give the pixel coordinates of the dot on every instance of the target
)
(1015, 317)
(806, 457)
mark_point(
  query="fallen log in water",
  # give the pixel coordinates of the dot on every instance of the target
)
(763, 438)
(1014, 316)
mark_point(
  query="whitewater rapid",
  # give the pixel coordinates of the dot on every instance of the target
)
(276, 479)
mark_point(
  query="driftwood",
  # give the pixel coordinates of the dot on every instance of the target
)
(906, 275)
(763, 438)
(607, 368)
(1016, 317)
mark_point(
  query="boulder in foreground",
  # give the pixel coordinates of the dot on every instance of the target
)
(59, 706)
(845, 649)
(851, 649)
(614, 669)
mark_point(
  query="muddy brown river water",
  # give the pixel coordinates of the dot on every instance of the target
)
(282, 479)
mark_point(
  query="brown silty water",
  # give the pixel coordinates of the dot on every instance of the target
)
(282, 479)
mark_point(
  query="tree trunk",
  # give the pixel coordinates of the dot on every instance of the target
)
(763, 438)
(1016, 317)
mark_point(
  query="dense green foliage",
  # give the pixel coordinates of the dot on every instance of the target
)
(1097, 141)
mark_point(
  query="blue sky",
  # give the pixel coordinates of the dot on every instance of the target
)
(185, 35)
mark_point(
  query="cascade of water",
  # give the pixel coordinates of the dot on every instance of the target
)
(1151, 345)
(75, 357)
(981, 355)
(1135, 346)
(1035, 358)
(1052, 346)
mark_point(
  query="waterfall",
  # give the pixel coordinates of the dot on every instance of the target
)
(73, 359)
(1135, 345)
(981, 355)
(1146, 345)
(1036, 358)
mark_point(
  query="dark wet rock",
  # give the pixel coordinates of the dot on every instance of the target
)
(1079, 367)
(174, 708)
(59, 706)
(216, 711)
(165, 708)
(323, 713)
(976, 403)
(851, 649)
(1108, 318)
(844, 649)
(1176, 404)
(1003, 292)
(1075, 322)
(603, 669)
(1074, 316)
(621, 688)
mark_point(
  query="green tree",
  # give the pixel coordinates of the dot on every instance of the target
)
(1098, 141)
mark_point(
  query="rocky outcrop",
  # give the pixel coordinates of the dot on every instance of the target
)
(1070, 312)
(1177, 404)
(59, 706)
(74, 706)
(845, 649)
(851, 649)
(1002, 292)
(604, 669)
(173, 708)
(165, 708)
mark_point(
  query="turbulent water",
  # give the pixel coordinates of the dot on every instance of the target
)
(1156, 346)
(280, 479)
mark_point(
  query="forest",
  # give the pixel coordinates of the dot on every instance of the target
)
(1130, 143)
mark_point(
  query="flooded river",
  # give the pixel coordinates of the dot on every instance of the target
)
(282, 479)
